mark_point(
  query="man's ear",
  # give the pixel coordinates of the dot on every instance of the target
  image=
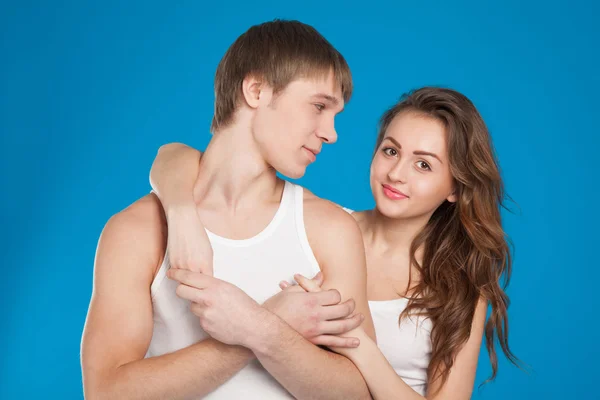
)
(251, 90)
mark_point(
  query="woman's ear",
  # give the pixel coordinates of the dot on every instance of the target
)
(452, 197)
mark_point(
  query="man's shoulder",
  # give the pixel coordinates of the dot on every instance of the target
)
(314, 205)
(144, 216)
(140, 227)
(328, 223)
(336, 241)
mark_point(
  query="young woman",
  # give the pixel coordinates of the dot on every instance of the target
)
(436, 250)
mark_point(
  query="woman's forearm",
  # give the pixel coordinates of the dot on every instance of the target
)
(382, 380)
(174, 173)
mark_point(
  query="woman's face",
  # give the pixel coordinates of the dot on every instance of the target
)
(410, 172)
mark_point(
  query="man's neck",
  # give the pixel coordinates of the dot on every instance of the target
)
(233, 174)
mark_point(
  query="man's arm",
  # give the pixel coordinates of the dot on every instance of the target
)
(303, 369)
(339, 248)
(119, 326)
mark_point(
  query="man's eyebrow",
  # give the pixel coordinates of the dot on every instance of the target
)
(334, 101)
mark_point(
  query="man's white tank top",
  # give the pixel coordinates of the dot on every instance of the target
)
(256, 265)
(406, 343)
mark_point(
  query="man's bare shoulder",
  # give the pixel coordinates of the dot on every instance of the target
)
(139, 229)
(334, 214)
(327, 224)
(142, 219)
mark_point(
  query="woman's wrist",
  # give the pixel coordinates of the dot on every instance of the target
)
(360, 355)
(353, 352)
(179, 209)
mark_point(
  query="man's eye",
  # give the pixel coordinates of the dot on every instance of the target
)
(320, 107)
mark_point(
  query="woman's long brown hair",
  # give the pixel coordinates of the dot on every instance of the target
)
(465, 251)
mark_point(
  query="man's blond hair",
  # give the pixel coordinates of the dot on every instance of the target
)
(278, 52)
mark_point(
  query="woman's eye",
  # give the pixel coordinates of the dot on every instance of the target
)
(424, 166)
(320, 107)
(390, 152)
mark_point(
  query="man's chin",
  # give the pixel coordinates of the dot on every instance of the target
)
(295, 172)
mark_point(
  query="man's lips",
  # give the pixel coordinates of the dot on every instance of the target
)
(312, 154)
(315, 152)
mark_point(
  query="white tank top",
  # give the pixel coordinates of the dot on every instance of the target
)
(406, 343)
(255, 265)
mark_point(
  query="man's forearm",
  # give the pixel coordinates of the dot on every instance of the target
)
(304, 369)
(193, 371)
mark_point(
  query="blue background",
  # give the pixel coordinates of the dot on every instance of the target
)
(90, 91)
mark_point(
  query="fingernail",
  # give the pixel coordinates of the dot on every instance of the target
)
(362, 317)
(355, 343)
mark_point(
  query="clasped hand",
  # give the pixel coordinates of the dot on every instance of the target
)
(229, 315)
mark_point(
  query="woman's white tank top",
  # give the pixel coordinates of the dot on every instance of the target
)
(406, 343)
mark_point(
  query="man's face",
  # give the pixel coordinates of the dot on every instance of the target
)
(291, 127)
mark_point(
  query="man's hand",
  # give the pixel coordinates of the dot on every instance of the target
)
(188, 244)
(225, 311)
(333, 338)
(318, 315)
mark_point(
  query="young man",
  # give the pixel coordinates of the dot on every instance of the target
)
(156, 330)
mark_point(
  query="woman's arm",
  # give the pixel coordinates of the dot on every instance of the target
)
(385, 384)
(383, 381)
(173, 178)
(173, 175)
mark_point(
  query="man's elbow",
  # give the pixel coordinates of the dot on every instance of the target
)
(96, 392)
(99, 387)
